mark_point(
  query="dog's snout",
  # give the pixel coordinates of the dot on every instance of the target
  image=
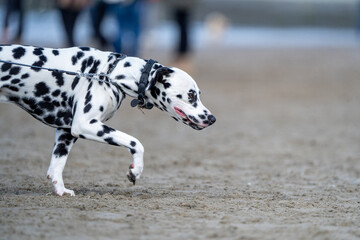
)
(212, 119)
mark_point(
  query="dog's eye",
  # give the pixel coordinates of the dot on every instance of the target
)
(192, 97)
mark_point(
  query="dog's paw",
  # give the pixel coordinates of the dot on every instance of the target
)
(130, 175)
(134, 173)
(61, 192)
(60, 189)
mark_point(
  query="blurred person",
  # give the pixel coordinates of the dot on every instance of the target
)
(181, 11)
(98, 13)
(358, 19)
(13, 6)
(128, 15)
(216, 26)
(70, 10)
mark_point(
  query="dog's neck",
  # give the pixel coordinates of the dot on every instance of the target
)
(128, 77)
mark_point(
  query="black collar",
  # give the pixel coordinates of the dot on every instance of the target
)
(144, 80)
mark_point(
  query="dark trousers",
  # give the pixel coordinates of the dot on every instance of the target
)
(11, 7)
(182, 19)
(69, 17)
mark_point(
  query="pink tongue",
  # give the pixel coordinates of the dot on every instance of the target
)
(178, 111)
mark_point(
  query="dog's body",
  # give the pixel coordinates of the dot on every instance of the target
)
(77, 106)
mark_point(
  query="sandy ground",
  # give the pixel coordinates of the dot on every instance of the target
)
(281, 162)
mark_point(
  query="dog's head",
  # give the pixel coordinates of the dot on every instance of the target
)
(175, 92)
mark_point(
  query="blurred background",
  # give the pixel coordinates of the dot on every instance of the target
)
(136, 27)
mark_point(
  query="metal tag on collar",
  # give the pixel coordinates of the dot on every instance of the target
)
(141, 104)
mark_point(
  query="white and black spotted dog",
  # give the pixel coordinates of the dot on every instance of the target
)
(42, 82)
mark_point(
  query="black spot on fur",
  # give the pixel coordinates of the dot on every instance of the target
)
(73, 60)
(18, 52)
(88, 97)
(192, 118)
(26, 75)
(95, 66)
(12, 88)
(31, 102)
(59, 78)
(46, 105)
(163, 105)
(5, 78)
(127, 64)
(41, 89)
(108, 129)
(71, 101)
(64, 96)
(133, 151)
(15, 81)
(90, 61)
(85, 48)
(56, 93)
(14, 99)
(61, 150)
(84, 65)
(38, 51)
(74, 109)
(14, 70)
(155, 92)
(65, 115)
(101, 108)
(133, 144)
(119, 77)
(37, 64)
(38, 111)
(179, 96)
(56, 103)
(77, 57)
(90, 85)
(65, 137)
(43, 58)
(50, 119)
(110, 140)
(55, 52)
(5, 67)
(125, 86)
(74, 83)
(93, 121)
(58, 122)
(87, 108)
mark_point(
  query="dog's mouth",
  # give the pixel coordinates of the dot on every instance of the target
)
(190, 120)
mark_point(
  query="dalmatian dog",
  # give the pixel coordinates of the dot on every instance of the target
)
(42, 82)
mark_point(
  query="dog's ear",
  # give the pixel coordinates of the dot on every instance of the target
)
(159, 76)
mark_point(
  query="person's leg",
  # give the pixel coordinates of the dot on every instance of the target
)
(97, 15)
(69, 19)
(19, 8)
(181, 16)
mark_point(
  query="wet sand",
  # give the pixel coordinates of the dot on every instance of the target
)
(281, 162)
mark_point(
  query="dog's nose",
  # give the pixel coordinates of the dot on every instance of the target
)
(212, 119)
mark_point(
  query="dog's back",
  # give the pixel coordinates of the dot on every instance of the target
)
(46, 95)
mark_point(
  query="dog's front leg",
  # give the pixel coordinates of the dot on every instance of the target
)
(96, 130)
(63, 143)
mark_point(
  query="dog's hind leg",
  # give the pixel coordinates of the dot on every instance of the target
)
(63, 143)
